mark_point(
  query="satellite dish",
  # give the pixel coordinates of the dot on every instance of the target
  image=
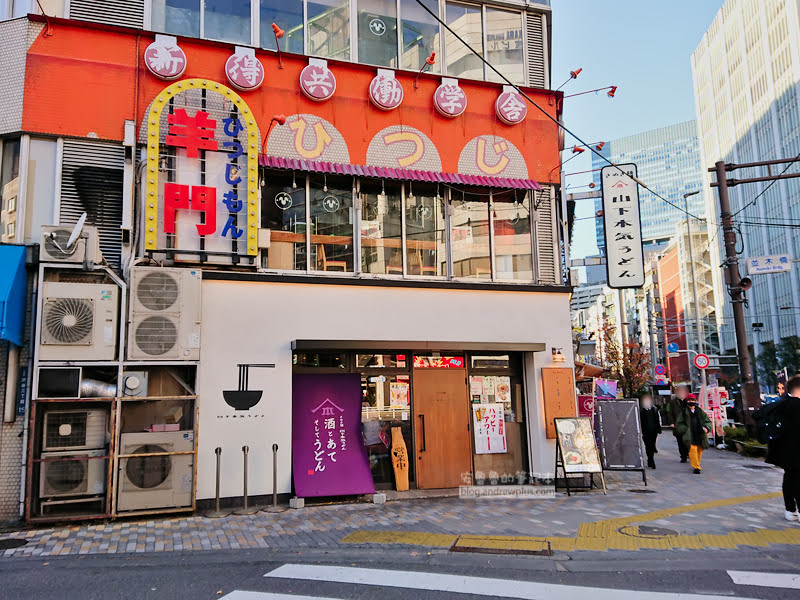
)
(76, 232)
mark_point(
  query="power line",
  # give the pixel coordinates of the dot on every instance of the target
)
(764, 191)
(545, 113)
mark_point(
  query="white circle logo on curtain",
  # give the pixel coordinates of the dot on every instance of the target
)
(511, 108)
(385, 92)
(164, 60)
(331, 204)
(450, 100)
(244, 71)
(283, 200)
(317, 83)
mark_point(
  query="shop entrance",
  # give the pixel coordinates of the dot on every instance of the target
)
(441, 421)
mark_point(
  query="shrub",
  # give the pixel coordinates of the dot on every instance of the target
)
(735, 434)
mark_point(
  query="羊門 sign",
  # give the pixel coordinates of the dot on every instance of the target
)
(623, 231)
(780, 263)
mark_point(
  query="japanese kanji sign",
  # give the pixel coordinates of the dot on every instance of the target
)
(510, 107)
(623, 231)
(317, 81)
(328, 454)
(244, 70)
(385, 91)
(490, 428)
(779, 263)
(164, 58)
(449, 99)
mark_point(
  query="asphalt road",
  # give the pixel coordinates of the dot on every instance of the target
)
(272, 575)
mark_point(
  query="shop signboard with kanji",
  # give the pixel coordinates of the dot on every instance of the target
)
(328, 454)
(490, 428)
(623, 231)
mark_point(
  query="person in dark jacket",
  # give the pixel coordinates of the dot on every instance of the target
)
(693, 424)
(788, 448)
(651, 427)
(677, 406)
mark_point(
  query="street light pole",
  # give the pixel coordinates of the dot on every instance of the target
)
(698, 324)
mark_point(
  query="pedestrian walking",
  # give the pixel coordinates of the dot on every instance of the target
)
(651, 427)
(676, 406)
(787, 446)
(693, 424)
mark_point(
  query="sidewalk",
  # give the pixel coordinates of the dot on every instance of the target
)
(735, 501)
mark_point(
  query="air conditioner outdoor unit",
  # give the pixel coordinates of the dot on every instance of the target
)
(134, 383)
(165, 314)
(73, 474)
(54, 245)
(155, 481)
(75, 430)
(79, 322)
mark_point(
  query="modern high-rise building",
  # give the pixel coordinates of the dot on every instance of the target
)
(668, 161)
(746, 71)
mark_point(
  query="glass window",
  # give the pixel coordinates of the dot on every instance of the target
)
(288, 15)
(426, 252)
(420, 34)
(283, 212)
(377, 32)
(481, 361)
(385, 406)
(465, 20)
(9, 179)
(331, 224)
(504, 47)
(381, 238)
(329, 28)
(512, 238)
(227, 20)
(321, 360)
(178, 17)
(381, 361)
(470, 238)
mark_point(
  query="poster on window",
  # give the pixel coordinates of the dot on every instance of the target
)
(490, 429)
(399, 395)
(328, 454)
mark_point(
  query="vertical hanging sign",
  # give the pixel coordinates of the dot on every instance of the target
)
(623, 230)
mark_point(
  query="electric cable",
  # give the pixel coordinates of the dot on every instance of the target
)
(764, 191)
(546, 114)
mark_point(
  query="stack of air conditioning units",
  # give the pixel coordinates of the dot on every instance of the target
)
(165, 314)
(72, 443)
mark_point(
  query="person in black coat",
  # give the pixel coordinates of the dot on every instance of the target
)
(677, 406)
(651, 427)
(788, 447)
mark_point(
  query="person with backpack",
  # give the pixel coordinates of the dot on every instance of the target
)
(785, 446)
(693, 425)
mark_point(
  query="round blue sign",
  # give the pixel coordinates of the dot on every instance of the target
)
(673, 347)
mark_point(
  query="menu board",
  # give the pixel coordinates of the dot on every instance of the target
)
(620, 434)
(490, 428)
(577, 446)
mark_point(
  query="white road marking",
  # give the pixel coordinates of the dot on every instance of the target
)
(462, 584)
(240, 595)
(774, 580)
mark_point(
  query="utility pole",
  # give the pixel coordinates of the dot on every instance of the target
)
(698, 326)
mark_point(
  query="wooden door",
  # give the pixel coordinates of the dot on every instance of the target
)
(441, 420)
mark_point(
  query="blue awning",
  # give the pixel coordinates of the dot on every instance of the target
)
(13, 292)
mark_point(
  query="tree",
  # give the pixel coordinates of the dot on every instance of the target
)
(767, 362)
(788, 353)
(628, 364)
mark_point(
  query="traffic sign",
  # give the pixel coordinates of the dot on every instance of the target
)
(673, 347)
(701, 361)
(659, 369)
(661, 381)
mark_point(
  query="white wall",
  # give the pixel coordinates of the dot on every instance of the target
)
(249, 322)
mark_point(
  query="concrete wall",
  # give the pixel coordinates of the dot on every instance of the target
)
(250, 322)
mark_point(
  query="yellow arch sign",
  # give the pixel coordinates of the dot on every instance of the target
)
(153, 117)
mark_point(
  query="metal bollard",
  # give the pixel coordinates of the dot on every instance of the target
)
(217, 512)
(245, 510)
(275, 507)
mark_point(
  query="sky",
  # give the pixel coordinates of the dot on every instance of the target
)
(642, 46)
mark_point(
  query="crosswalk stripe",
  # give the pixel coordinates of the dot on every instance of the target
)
(462, 584)
(775, 580)
(242, 595)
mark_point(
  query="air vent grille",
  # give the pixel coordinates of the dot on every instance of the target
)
(156, 335)
(125, 13)
(69, 320)
(537, 57)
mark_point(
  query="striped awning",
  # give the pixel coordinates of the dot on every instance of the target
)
(276, 162)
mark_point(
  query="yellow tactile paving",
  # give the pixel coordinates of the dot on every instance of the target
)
(654, 543)
(747, 538)
(686, 541)
(716, 541)
(618, 541)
